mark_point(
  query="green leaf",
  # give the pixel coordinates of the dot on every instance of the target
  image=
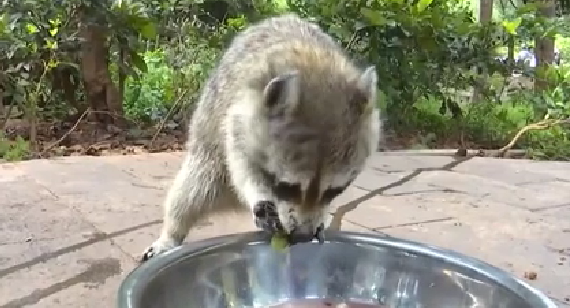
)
(4, 18)
(422, 5)
(138, 62)
(148, 30)
(375, 18)
(527, 8)
(511, 26)
(50, 44)
(31, 28)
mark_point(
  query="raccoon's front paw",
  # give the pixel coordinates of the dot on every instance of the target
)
(266, 217)
(158, 247)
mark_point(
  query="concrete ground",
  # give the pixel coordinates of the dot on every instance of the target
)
(72, 228)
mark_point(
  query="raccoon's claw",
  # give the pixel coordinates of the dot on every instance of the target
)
(158, 247)
(147, 254)
(320, 234)
(266, 217)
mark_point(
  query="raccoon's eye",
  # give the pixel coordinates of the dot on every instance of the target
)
(287, 191)
(268, 177)
(331, 193)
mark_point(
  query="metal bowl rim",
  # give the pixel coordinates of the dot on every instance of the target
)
(142, 274)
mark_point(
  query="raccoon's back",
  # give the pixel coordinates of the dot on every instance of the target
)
(261, 52)
(269, 48)
(274, 35)
(247, 59)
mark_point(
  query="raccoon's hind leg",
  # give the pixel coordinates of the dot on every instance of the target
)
(197, 191)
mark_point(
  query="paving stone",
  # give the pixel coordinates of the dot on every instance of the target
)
(385, 211)
(33, 221)
(157, 169)
(510, 238)
(350, 194)
(390, 162)
(371, 179)
(28, 230)
(562, 212)
(493, 241)
(10, 172)
(21, 189)
(493, 190)
(512, 171)
(135, 242)
(429, 161)
(558, 170)
(90, 175)
(556, 190)
(413, 186)
(387, 161)
(507, 221)
(67, 216)
(349, 226)
(105, 195)
(87, 277)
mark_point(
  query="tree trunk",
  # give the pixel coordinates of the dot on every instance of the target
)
(485, 16)
(510, 55)
(485, 11)
(66, 79)
(544, 46)
(100, 91)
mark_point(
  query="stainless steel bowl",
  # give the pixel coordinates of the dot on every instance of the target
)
(244, 271)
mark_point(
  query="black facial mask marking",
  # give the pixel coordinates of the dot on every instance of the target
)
(330, 193)
(290, 192)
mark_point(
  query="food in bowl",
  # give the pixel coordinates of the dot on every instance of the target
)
(279, 241)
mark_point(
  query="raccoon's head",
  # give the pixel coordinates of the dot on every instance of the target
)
(308, 140)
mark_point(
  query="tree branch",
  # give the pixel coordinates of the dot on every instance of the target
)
(544, 124)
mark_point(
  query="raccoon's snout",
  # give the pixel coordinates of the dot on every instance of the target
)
(301, 237)
(267, 218)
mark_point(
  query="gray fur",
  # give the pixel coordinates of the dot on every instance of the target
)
(284, 105)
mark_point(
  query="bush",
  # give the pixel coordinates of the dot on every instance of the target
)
(12, 150)
(425, 52)
(484, 125)
(150, 97)
(174, 77)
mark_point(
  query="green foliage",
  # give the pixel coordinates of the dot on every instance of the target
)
(425, 51)
(44, 34)
(148, 97)
(418, 47)
(489, 126)
(177, 71)
(550, 144)
(13, 150)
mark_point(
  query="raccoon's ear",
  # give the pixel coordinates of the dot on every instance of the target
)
(283, 90)
(368, 82)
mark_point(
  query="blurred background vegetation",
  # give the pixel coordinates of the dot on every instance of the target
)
(86, 77)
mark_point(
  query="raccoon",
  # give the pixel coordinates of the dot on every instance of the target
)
(286, 120)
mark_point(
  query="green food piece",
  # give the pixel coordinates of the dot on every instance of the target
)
(279, 242)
